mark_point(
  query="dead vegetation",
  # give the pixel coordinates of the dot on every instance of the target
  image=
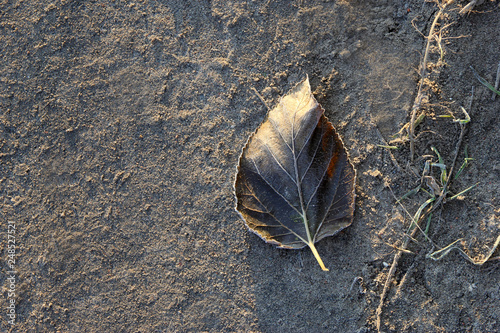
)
(435, 175)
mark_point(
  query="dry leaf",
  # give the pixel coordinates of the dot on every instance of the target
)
(295, 183)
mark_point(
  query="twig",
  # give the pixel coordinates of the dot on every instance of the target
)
(423, 74)
(261, 98)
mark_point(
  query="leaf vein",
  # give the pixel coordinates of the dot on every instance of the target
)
(272, 187)
(280, 165)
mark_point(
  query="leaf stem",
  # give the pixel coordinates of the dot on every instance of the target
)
(316, 255)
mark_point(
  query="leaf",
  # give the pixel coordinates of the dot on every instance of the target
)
(295, 183)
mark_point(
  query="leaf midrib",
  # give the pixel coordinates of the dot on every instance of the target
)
(298, 181)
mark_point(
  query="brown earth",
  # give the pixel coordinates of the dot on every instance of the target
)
(122, 124)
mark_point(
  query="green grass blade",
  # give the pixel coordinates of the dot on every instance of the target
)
(463, 121)
(484, 82)
(463, 192)
(463, 166)
(439, 165)
(426, 231)
(419, 119)
(428, 193)
(412, 192)
(441, 162)
(419, 212)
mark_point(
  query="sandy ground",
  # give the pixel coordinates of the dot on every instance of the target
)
(121, 125)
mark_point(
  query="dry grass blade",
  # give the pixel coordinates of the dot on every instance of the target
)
(497, 83)
(470, 6)
(438, 255)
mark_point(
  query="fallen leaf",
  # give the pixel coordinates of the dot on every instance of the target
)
(295, 183)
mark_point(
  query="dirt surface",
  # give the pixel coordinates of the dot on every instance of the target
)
(121, 125)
